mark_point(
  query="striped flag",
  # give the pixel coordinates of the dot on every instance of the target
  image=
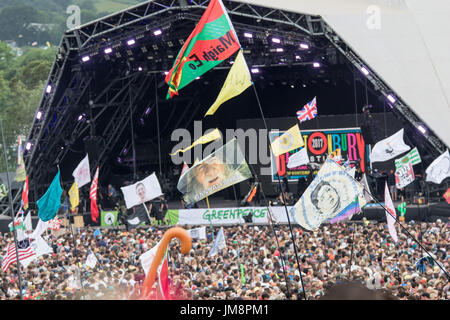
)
(412, 156)
(24, 250)
(93, 197)
(308, 112)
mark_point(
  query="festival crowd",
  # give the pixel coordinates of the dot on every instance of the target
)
(395, 269)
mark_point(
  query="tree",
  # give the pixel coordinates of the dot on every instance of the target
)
(6, 56)
(14, 22)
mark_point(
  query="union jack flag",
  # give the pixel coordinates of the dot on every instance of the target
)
(308, 112)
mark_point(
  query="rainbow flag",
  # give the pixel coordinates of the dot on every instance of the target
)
(348, 212)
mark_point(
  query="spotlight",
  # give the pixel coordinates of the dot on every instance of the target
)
(391, 98)
(157, 32)
(39, 115)
(304, 45)
(125, 150)
(85, 59)
(166, 73)
(81, 116)
(108, 50)
(119, 160)
(139, 68)
(365, 71)
(147, 111)
(28, 146)
(248, 35)
(316, 65)
(297, 57)
(255, 70)
(131, 42)
(48, 89)
(276, 40)
(422, 129)
(279, 50)
(142, 121)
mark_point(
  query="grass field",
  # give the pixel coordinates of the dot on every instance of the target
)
(115, 5)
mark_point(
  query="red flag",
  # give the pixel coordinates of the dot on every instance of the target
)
(93, 196)
(447, 195)
(163, 291)
(25, 194)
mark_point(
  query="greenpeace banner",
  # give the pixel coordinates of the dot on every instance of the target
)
(224, 216)
(319, 144)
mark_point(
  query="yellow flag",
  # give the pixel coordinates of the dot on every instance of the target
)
(74, 196)
(213, 135)
(288, 141)
(237, 81)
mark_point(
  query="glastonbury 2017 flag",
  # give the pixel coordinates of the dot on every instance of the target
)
(221, 169)
(211, 42)
(404, 175)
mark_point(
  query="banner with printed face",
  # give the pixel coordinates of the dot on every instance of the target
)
(221, 169)
(142, 191)
(319, 144)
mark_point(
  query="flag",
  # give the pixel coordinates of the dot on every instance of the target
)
(50, 202)
(404, 176)
(329, 194)
(139, 217)
(242, 274)
(213, 135)
(40, 228)
(54, 224)
(219, 243)
(142, 191)
(108, 218)
(211, 42)
(221, 169)
(390, 213)
(74, 195)
(336, 155)
(439, 169)
(197, 233)
(40, 247)
(308, 112)
(412, 156)
(163, 289)
(91, 260)
(27, 222)
(3, 191)
(290, 140)
(348, 212)
(93, 197)
(82, 172)
(298, 159)
(447, 195)
(389, 148)
(237, 81)
(366, 191)
(25, 194)
(97, 233)
(21, 174)
(24, 252)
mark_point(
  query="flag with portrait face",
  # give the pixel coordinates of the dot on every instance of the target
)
(221, 169)
(333, 192)
(142, 191)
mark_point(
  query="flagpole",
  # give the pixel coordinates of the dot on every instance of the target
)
(282, 194)
(12, 212)
(210, 222)
(351, 254)
(401, 225)
(148, 214)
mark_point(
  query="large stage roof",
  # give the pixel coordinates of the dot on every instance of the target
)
(408, 47)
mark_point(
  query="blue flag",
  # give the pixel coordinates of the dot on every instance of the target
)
(97, 233)
(219, 243)
(50, 202)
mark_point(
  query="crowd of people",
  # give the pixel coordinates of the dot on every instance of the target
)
(270, 267)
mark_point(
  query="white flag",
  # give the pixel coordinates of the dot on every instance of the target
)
(91, 260)
(142, 191)
(27, 222)
(439, 169)
(366, 190)
(40, 229)
(219, 243)
(389, 148)
(198, 233)
(82, 173)
(40, 247)
(147, 259)
(390, 214)
(298, 159)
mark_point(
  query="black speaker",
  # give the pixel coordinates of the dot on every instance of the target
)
(367, 135)
(92, 147)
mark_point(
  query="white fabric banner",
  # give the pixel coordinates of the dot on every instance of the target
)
(389, 148)
(439, 169)
(82, 172)
(298, 159)
(389, 215)
(142, 191)
(40, 247)
(147, 258)
(198, 233)
(219, 243)
(40, 229)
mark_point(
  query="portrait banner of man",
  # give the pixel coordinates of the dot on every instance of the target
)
(142, 191)
(331, 192)
(221, 169)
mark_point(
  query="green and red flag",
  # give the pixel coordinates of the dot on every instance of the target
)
(211, 42)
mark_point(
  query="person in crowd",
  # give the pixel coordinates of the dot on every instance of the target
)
(112, 195)
(380, 268)
(391, 184)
